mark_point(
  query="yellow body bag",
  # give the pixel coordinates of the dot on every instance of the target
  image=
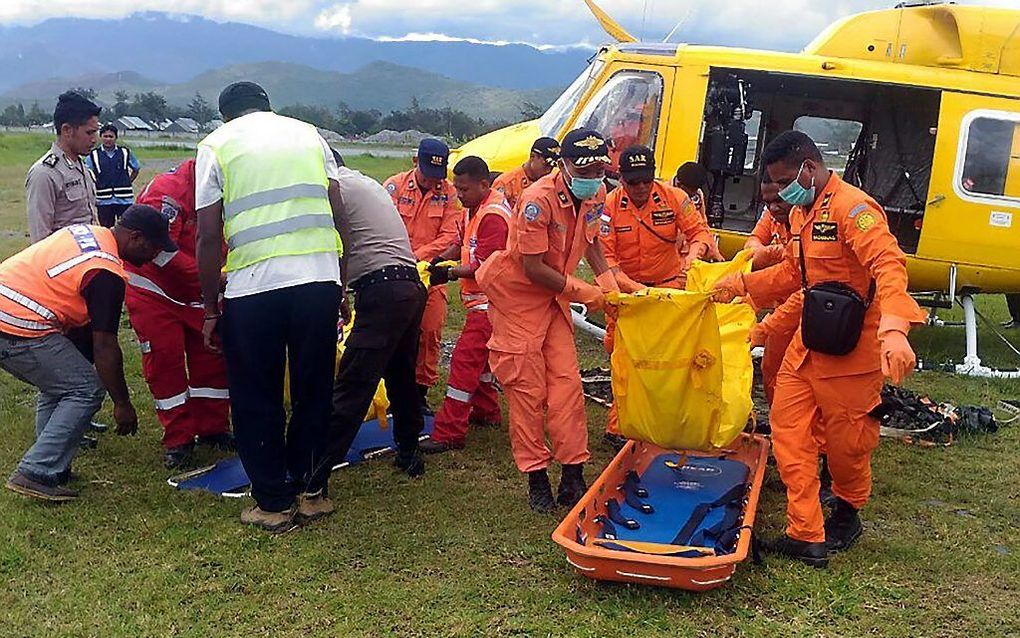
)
(681, 363)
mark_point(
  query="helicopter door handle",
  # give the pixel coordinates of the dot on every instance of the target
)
(938, 199)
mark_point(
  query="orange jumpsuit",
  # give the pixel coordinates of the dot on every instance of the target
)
(531, 351)
(643, 243)
(846, 238)
(432, 224)
(769, 232)
(512, 184)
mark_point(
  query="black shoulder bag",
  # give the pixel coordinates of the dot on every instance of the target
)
(833, 314)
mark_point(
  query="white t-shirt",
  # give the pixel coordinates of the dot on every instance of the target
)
(269, 274)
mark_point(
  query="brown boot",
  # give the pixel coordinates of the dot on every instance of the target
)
(312, 507)
(25, 486)
(275, 522)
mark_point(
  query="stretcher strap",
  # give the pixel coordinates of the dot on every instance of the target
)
(733, 496)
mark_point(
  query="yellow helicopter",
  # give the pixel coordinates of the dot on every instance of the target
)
(918, 105)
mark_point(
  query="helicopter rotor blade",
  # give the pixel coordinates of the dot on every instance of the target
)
(611, 26)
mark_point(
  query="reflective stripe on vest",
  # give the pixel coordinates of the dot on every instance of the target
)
(275, 189)
(74, 261)
(24, 323)
(25, 302)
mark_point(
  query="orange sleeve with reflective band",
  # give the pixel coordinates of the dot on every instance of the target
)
(868, 236)
(688, 220)
(533, 225)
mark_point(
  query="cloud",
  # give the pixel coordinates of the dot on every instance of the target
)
(557, 24)
(335, 18)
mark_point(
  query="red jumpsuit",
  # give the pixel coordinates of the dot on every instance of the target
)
(471, 392)
(164, 302)
(532, 350)
(845, 238)
(431, 222)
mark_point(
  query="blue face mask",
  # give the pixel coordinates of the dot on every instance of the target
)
(584, 188)
(795, 194)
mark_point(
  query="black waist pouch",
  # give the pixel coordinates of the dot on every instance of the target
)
(832, 315)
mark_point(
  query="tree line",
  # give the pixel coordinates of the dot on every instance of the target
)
(153, 107)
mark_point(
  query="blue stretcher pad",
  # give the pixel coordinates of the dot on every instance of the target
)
(228, 478)
(695, 502)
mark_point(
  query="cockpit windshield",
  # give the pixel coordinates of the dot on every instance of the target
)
(551, 123)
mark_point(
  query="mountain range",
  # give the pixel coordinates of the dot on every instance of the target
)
(173, 49)
(179, 56)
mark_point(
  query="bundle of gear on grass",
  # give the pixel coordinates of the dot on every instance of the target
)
(917, 419)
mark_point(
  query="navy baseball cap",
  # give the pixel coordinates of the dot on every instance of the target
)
(433, 158)
(584, 146)
(548, 149)
(152, 224)
(637, 164)
(242, 96)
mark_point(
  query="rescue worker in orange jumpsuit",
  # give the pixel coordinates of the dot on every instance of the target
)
(427, 202)
(544, 153)
(530, 286)
(845, 238)
(768, 240)
(691, 178)
(642, 227)
(471, 393)
(187, 381)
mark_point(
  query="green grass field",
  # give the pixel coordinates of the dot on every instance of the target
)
(459, 553)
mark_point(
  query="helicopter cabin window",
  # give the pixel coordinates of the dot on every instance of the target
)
(991, 156)
(626, 111)
(557, 114)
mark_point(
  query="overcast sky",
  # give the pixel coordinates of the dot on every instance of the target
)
(782, 24)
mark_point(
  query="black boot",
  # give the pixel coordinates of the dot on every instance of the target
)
(614, 441)
(540, 492)
(572, 486)
(825, 478)
(842, 526)
(423, 391)
(813, 554)
(178, 457)
(413, 463)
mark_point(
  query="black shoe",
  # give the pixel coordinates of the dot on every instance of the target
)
(842, 526)
(178, 457)
(412, 464)
(813, 554)
(540, 492)
(88, 442)
(572, 486)
(423, 391)
(224, 441)
(96, 426)
(614, 441)
(1011, 325)
(431, 446)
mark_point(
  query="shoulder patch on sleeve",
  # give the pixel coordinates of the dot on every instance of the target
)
(532, 211)
(391, 187)
(857, 210)
(865, 221)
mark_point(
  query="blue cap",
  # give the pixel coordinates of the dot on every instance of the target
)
(433, 157)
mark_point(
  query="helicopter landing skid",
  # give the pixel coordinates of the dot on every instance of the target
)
(580, 316)
(972, 365)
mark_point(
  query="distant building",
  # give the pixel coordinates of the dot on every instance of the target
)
(132, 123)
(182, 125)
(211, 126)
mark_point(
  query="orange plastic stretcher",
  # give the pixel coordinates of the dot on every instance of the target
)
(577, 533)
